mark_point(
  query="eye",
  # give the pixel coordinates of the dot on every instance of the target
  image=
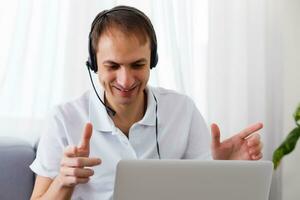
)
(137, 65)
(112, 67)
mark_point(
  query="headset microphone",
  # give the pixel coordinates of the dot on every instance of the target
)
(109, 110)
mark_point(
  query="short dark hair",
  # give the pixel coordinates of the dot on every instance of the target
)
(127, 19)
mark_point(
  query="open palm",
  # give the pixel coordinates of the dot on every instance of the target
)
(245, 145)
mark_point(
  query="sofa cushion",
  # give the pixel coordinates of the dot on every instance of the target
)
(16, 178)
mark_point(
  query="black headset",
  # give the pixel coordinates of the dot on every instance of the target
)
(92, 60)
(91, 63)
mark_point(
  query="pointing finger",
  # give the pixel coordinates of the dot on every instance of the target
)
(249, 130)
(80, 162)
(86, 137)
(215, 135)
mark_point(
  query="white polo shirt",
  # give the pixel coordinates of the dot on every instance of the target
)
(182, 134)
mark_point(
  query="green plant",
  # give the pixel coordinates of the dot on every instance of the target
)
(288, 145)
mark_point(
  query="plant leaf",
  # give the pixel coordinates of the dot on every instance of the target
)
(297, 116)
(286, 147)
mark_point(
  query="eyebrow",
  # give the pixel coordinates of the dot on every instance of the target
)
(115, 63)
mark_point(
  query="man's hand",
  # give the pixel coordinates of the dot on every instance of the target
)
(245, 145)
(75, 160)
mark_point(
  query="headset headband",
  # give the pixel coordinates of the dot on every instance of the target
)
(92, 60)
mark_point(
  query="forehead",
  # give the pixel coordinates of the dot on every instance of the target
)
(115, 38)
(122, 47)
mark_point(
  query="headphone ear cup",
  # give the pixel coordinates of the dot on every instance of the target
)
(92, 62)
(89, 63)
(154, 59)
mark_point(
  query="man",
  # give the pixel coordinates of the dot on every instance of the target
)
(135, 121)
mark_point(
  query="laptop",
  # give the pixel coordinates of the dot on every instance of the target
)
(192, 180)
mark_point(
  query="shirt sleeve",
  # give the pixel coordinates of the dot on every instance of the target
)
(199, 139)
(50, 148)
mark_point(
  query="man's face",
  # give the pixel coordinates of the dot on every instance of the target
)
(123, 67)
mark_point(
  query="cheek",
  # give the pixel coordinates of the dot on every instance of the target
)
(100, 78)
(105, 78)
(145, 76)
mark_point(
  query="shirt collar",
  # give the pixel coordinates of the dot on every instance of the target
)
(101, 120)
(150, 115)
(98, 114)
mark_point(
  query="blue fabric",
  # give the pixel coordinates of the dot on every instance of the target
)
(16, 178)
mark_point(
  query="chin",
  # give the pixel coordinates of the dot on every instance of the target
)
(124, 101)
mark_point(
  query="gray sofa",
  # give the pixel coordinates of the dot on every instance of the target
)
(16, 178)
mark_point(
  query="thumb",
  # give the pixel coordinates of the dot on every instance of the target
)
(86, 137)
(215, 135)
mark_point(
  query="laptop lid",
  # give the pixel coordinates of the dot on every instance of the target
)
(192, 180)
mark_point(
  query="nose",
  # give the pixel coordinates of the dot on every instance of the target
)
(125, 77)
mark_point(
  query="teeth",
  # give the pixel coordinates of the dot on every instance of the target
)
(127, 90)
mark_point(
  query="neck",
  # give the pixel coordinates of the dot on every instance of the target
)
(128, 114)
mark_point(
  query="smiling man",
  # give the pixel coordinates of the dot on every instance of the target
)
(123, 59)
(128, 119)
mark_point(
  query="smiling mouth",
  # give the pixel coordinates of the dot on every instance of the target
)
(126, 90)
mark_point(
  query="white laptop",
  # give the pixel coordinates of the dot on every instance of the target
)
(192, 180)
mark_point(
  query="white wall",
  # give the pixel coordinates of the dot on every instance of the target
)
(291, 38)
